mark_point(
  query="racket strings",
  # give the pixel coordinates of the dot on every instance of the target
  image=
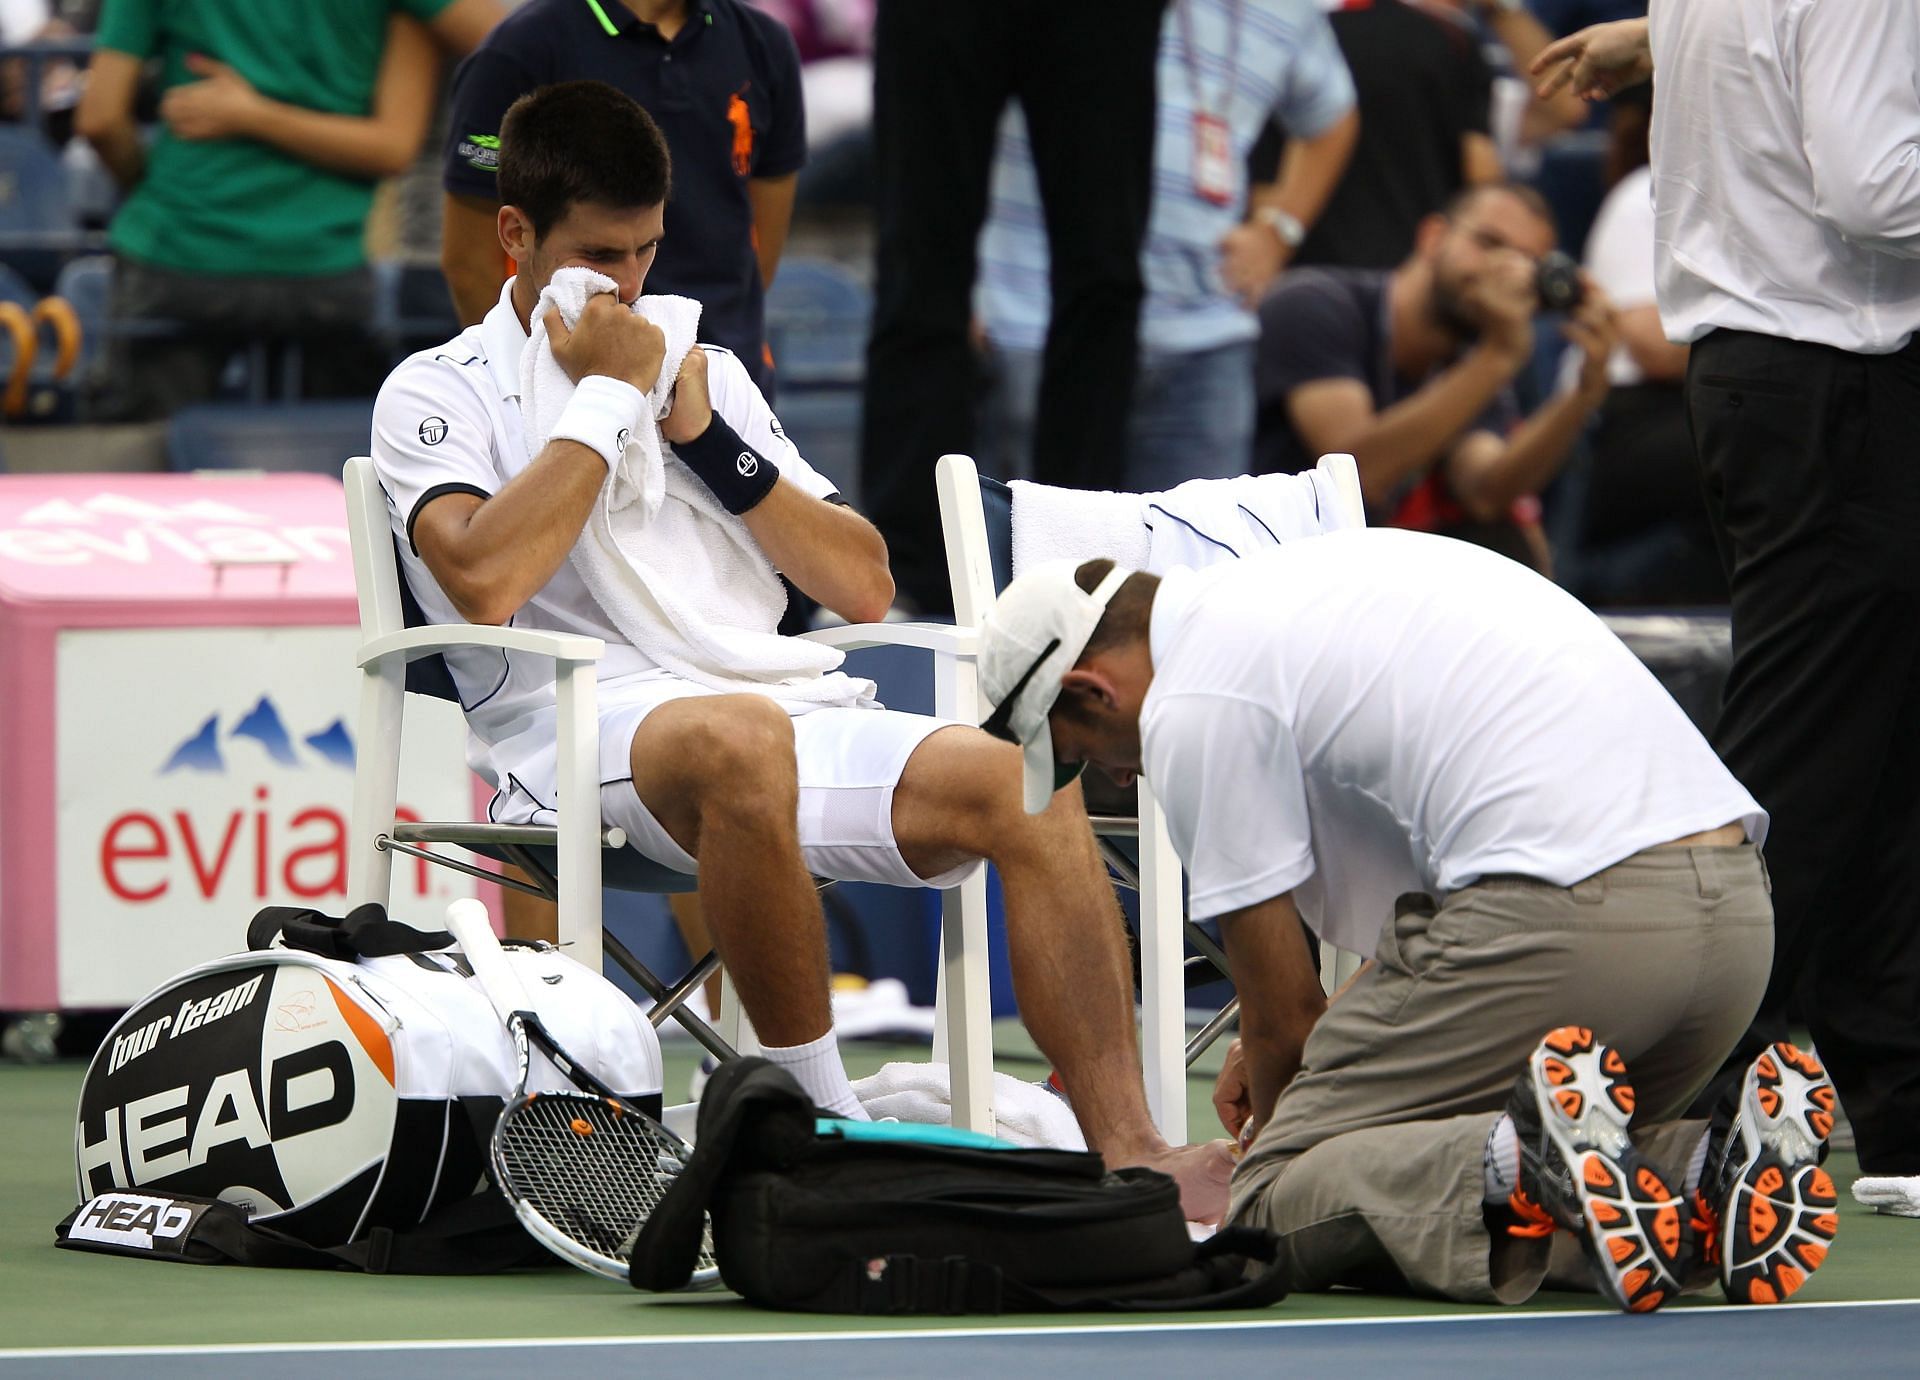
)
(592, 1170)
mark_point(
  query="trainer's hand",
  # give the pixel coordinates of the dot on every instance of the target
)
(1233, 1095)
(608, 339)
(692, 405)
(1596, 61)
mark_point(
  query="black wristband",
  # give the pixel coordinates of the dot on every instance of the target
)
(737, 473)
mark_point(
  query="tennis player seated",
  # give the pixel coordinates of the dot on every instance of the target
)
(530, 483)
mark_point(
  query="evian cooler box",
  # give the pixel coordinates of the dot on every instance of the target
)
(176, 726)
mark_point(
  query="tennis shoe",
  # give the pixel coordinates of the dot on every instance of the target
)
(1764, 1215)
(1579, 1171)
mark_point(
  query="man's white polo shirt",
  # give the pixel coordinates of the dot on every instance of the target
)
(1377, 712)
(448, 421)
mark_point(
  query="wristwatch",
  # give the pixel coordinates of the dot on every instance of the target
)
(1283, 223)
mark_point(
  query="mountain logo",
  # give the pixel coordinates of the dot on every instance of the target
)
(201, 751)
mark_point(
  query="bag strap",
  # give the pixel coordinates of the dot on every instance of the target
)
(364, 932)
(662, 1252)
(476, 1235)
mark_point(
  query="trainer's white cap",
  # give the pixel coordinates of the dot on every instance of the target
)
(1035, 633)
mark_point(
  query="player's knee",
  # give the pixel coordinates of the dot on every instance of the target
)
(740, 750)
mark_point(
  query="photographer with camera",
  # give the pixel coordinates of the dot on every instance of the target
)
(1412, 371)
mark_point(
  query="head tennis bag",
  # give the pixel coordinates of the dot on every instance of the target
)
(824, 1216)
(341, 1103)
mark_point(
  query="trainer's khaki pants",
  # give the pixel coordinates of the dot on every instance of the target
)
(1371, 1168)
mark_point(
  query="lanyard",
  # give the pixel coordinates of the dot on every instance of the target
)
(1182, 12)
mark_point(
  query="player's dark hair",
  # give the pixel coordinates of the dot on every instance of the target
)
(580, 141)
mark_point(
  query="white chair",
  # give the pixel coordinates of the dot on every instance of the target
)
(976, 518)
(571, 861)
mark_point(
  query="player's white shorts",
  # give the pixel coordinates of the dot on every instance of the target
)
(849, 761)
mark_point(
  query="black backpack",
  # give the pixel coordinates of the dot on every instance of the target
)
(819, 1215)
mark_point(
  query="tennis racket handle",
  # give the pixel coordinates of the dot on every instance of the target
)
(468, 922)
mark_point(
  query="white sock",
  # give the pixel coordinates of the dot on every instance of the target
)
(816, 1067)
(1501, 1161)
(1697, 1165)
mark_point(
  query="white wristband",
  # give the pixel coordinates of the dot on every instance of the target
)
(601, 416)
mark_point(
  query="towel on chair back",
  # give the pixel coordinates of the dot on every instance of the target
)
(825, 1216)
(679, 576)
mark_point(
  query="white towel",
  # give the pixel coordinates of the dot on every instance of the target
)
(1194, 525)
(1028, 1116)
(1895, 1195)
(1052, 524)
(680, 577)
(545, 387)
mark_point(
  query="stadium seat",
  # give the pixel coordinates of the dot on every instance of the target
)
(412, 308)
(574, 859)
(817, 315)
(38, 227)
(976, 519)
(87, 284)
(305, 437)
(825, 424)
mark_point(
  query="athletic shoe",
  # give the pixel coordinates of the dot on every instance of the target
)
(1764, 1211)
(1579, 1170)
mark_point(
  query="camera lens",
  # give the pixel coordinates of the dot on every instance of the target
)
(1556, 278)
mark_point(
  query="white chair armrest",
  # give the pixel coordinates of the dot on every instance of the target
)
(411, 644)
(928, 637)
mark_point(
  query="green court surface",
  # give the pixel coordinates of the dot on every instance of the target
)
(58, 1299)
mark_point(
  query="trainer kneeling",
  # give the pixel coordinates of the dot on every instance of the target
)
(1381, 714)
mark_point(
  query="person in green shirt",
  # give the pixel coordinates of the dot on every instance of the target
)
(245, 218)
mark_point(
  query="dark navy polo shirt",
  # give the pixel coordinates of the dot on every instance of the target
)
(725, 93)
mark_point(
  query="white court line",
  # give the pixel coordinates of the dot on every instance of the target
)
(1492, 1314)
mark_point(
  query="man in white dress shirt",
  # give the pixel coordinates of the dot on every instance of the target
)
(1433, 755)
(1786, 170)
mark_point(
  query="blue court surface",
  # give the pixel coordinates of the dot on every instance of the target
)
(1850, 1339)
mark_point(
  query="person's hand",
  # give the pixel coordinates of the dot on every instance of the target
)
(692, 405)
(1233, 1095)
(608, 339)
(1251, 257)
(1507, 299)
(1594, 328)
(221, 105)
(1596, 61)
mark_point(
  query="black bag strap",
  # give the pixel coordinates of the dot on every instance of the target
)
(663, 1252)
(364, 932)
(476, 1235)
(954, 1285)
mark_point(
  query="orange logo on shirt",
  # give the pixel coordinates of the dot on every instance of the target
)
(742, 134)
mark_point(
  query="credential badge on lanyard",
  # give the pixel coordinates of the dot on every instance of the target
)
(1214, 176)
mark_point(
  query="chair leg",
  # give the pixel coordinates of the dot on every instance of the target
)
(376, 782)
(1163, 987)
(735, 1028)
(577, 849)
(963, 1010)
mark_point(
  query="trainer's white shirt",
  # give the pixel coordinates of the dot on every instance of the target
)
(448, 419)
(1786, 157)
(1376, 712)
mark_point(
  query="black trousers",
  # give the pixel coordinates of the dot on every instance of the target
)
(1811, 462)
(1083, 71)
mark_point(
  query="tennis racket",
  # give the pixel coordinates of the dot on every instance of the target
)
(582, 1170)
